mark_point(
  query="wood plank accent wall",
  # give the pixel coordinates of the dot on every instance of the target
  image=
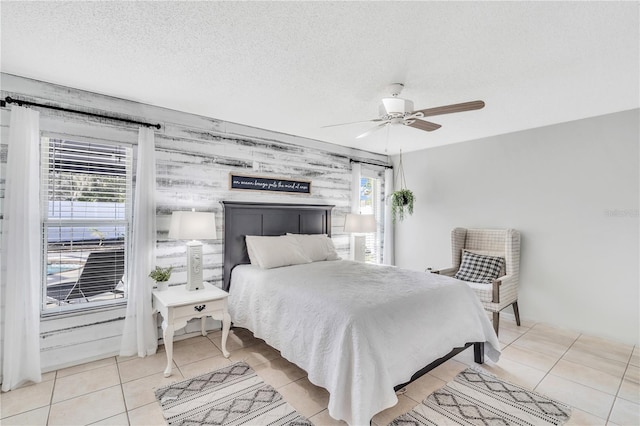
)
(194, 156)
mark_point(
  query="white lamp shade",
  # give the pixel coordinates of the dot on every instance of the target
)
(360, 223)
(187, 225)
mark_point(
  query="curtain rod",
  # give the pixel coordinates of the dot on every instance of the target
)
(351, 160)
(10, 100)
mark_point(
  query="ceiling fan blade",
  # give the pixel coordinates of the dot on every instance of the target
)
(354, 122)
(375, 129)
(448, 109)
(424, 125)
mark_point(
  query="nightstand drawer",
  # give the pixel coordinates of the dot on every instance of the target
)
(199, 308)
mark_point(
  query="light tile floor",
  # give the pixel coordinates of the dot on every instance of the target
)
(600, 379)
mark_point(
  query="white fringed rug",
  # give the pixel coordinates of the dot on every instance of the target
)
(475, 397)
(231, 396)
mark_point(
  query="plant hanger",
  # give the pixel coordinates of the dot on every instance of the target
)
(403, 181)
(401, 200)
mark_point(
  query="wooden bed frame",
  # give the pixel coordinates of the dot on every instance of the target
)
(272, 219)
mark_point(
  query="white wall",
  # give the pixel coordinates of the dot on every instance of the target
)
(572, 190)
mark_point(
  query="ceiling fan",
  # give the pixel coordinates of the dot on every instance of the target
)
(395, 110)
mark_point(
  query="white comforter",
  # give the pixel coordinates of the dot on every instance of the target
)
(358, 329)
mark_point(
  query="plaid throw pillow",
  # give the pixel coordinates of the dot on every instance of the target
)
(477, 268)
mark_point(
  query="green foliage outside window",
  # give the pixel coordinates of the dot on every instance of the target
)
(88, 187)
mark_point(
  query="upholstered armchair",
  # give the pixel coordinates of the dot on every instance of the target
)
(478, 252)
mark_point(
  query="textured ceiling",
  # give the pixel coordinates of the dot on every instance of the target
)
(294, 67)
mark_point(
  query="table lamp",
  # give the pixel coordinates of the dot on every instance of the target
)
(193, 226)
(359, 224)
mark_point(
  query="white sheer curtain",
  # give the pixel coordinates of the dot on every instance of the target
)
(21, 252)
(356, 173)
(140, 331)
(388, 251)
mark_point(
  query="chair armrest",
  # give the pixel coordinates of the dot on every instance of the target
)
(447, 271)
(504, 280)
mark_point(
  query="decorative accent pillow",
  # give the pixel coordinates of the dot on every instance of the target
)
(317, 247)
(273, 252)
(503, 269)
(477, 268)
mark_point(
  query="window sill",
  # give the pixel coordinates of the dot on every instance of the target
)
(46, 316)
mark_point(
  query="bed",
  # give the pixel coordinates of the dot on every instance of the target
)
(360, 331)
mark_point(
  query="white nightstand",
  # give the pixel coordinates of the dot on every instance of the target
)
(177, 305)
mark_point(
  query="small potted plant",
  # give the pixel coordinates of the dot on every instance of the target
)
(401, 200)
(161, 276)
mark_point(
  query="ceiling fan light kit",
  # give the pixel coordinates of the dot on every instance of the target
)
(393, 106)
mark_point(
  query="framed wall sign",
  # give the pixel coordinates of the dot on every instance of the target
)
(271, 184)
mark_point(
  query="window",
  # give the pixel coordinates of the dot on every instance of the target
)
(86, 194)
(371, 203)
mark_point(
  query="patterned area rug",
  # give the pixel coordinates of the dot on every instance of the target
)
(233, 395)
(479, 398)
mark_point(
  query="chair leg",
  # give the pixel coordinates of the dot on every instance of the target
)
(516, 312)
(496, 321)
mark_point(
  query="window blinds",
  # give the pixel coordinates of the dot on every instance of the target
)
(86, 195)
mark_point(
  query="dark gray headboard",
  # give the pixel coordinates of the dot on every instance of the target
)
(242, 218)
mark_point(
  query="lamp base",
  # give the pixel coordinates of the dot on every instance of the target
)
(194, 265)
(359, 247)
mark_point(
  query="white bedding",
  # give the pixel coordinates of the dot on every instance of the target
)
(358, 329)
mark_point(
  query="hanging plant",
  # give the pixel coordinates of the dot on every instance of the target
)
(401, 200)
(401, 204)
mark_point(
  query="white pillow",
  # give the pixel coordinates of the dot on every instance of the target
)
(273, 252)
(317, 246)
